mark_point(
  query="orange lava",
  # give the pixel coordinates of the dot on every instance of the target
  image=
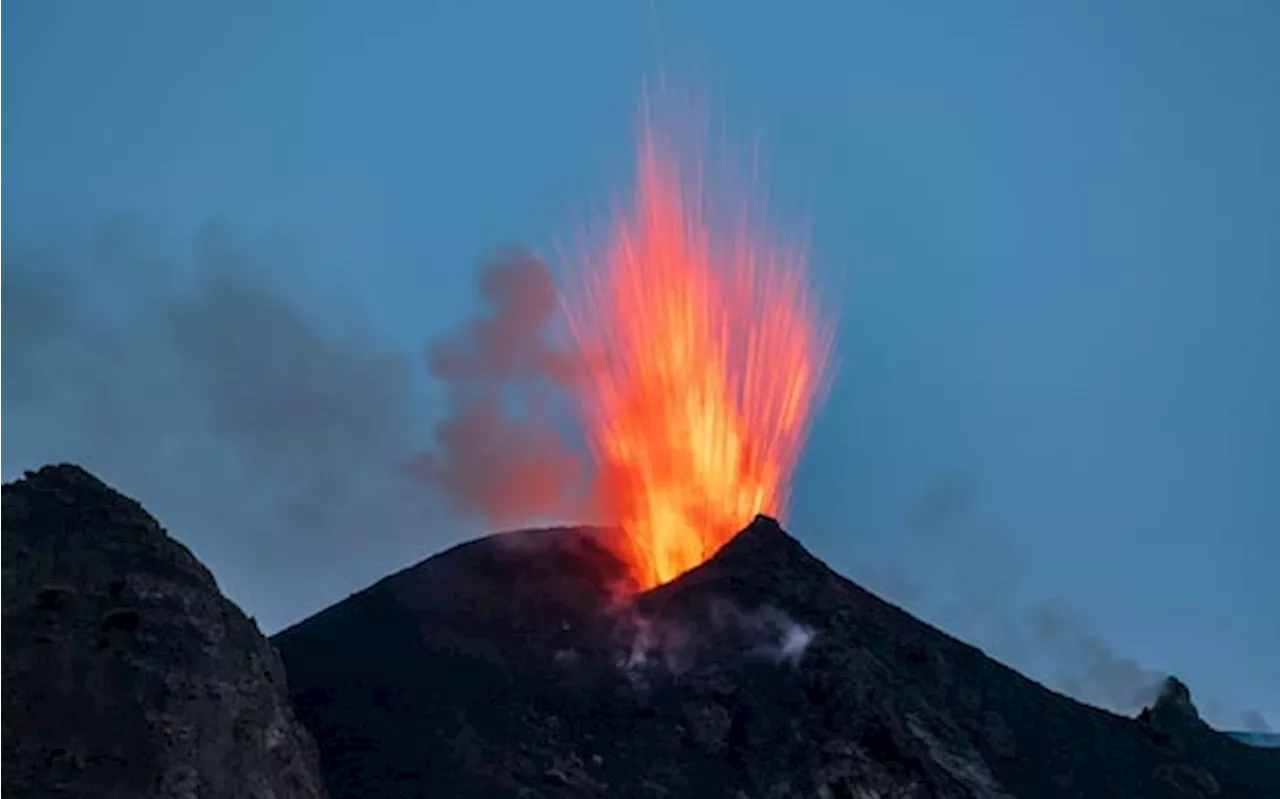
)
(707, 357)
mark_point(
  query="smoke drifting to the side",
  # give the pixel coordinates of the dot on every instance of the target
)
(1087, 666)
(262, 433)
(980, 599)
(499, 454)
(1253, 721)
(284, 444)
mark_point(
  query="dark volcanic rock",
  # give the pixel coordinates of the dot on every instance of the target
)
(512, 667)
(126, 672)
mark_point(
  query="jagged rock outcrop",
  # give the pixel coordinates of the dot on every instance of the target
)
(510, 667)
(126, 672)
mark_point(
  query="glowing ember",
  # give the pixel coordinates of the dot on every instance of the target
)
(707, 357)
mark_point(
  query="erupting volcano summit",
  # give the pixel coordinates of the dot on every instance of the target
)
(705, 357)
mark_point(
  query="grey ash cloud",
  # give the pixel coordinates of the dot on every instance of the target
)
(262, 432)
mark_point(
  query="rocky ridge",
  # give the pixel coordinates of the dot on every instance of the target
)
(126, 672)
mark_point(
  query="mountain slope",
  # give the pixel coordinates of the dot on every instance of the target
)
(126, 672)
(511, 666)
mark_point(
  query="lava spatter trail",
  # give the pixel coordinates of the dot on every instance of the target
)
(705, 358)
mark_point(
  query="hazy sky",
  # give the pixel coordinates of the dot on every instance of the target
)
(230, 228)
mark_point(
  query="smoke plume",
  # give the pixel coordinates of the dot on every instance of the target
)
(499, 454)
(981, 599)
(271, 437)
(264, 434)
(1253, 721)
(1087, 667)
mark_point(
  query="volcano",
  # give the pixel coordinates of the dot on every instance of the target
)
(514, 666)
(524, 665)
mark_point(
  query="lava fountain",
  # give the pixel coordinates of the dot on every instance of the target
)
(705, 355)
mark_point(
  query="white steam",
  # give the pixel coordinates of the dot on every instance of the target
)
(764, 634)
(774, 635)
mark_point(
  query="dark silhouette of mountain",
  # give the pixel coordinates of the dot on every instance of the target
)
(126, 673)
(512, 666)
(520, 666)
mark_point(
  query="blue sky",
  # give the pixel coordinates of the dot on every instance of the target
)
(1054, 431)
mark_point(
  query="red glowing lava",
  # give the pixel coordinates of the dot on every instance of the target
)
(707, 356)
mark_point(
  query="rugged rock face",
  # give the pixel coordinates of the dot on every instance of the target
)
(126, 672)
(510, 667)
